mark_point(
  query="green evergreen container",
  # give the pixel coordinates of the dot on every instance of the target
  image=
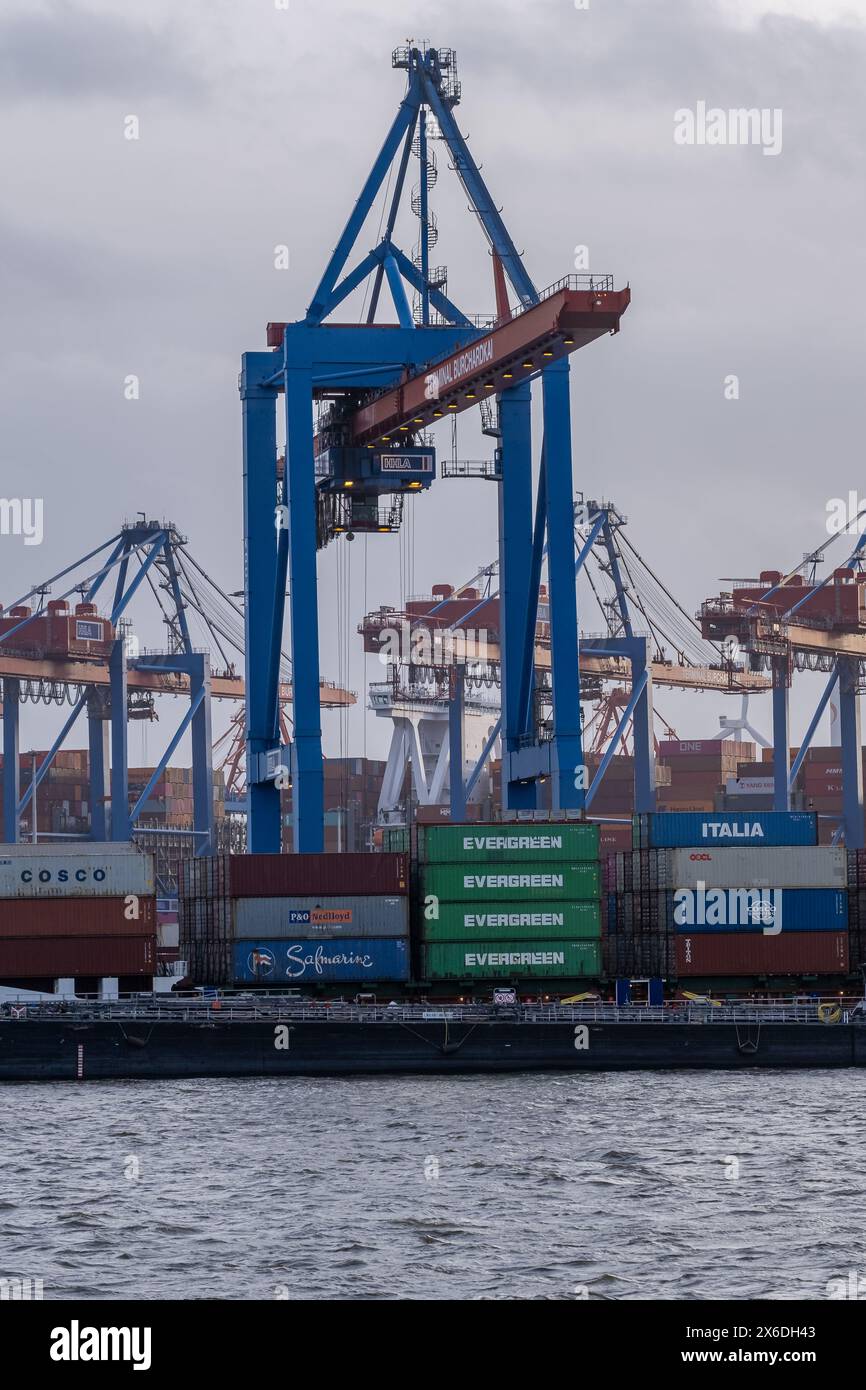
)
(512, 960)
(499, 883)
(514, 922)
(536, 843)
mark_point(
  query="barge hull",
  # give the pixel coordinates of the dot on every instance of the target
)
(57, 1050)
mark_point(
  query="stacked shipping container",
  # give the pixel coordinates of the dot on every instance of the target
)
(733, 900)
(76, 910)
(514, 901)
(300, 919)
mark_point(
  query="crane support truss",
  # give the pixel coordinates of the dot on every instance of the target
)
(386, 383)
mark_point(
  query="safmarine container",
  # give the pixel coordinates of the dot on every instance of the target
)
(283, 875)
(721, 830)
(750, 953)
(513, 960)
(804, 867)
(44, 958)
(514, 921)
(63, 871)
(54, 917)
(320, 917)
(766, 910)
(505, 883)
(567, 842)
(355, 960)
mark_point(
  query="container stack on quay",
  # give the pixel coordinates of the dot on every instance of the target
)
(278, 920)
(516, 901)
(76, 911)
(728, 895)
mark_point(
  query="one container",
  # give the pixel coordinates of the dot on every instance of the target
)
(765, 910)
(514, 921)
(506, 883)
(301, 918)
(61, 917)
(273, 962)
(564, 842)
(722, 830)
(44, 958)
(518, 960)
(308, 875)
(804, 867)
(59, 871)
(750, 953)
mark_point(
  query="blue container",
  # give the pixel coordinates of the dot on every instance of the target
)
(683, 829)
(767, 910)
(355, 960)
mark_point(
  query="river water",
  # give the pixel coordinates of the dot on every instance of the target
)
(597, 1186)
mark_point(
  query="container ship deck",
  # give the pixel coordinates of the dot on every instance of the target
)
(279, 1037)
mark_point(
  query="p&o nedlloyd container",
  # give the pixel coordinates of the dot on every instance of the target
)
(320, 917)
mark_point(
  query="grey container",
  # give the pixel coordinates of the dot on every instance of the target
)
(320, 918)
(805, 866)
(90, 870)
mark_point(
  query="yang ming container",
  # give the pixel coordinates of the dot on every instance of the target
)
(748, 953)
(274, 963)
(44, 958)
(59, 871)
(565, 842)
(308, 875)
(804, 867)
(55, 917)
(507, 883)
(321, 917)
(516, 960)
(719, 830)
(514, 921)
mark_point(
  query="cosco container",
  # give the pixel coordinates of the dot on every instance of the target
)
(722, 830)
(308, 875)
(318, 917)
(516, 960)
(566, 842)
(513, 921)
(52, 871)
(54, 917)
(508, 883)
(44, 958)
(766, 910)
(272, 962)
(806, 866)
(749, 953)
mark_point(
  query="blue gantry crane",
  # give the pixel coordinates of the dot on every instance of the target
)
(380, 389)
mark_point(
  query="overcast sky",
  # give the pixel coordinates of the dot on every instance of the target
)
(258, 125)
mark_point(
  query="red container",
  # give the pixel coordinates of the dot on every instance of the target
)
(613, 839)
(748, 953)
(707, 747)
(48, 959)
(54, 917)
(307, 875)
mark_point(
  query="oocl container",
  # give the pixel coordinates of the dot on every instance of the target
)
(61, 871)
(321, 917)
(516, 960)
(273, 962)
(749, 953)
(513, 844)
(806, 866)
(722, 830)
(514, 921)
(504, 883)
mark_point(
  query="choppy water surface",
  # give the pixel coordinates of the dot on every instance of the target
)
(534, 1186)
